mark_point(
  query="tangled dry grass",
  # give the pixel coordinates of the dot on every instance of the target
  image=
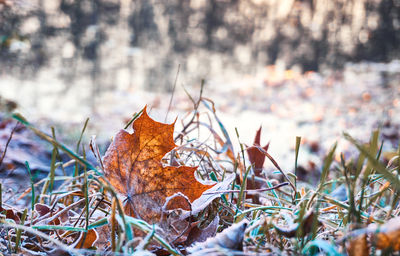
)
(249, 212)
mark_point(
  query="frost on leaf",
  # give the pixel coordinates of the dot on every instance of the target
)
(133, 166)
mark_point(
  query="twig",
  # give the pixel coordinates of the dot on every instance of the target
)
(247, 191)
(195, 111)
(66, 209)
(8, 142)
(172, 94)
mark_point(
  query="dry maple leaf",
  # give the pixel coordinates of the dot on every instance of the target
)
(133, 166)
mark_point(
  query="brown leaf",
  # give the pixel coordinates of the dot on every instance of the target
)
(11, 214)
(85, 242)
(197, 234)
(358, 246)
(256, 157)
(388, 235)
(104, 240)
(176, 228)
(133, 166)
(230, 238)
(206, 198)
(46, 213)
(43, 209)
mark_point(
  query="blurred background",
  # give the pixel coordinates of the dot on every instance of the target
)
(310, 68)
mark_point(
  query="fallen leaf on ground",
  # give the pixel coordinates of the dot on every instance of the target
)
(104, 240)
(230, 238)
(44, 210)
(197, 234)
(175, 228)
(11, 214)
(133, 166)
(358, 246)
(46, 214)
(85, 242)
(387, 235)
(383, 237)
(256, 157)
(206, 198)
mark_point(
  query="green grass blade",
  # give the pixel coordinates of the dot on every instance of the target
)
(32, 185)
(262, 208)
(52, 164)
(99, 223)
(221, 126)
(242, 188)
(86, 190)
(327, 164)
(136, 115)
(375, 163)
(76, 172)
(298, 141)
(144, 226)
(61, 146)
(19, 231)
(54, 227)
(274, 193)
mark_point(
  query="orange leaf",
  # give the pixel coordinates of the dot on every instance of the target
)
(133, 166)
(85, 242)
(358, 246)
(381, 236)
(388, 235)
